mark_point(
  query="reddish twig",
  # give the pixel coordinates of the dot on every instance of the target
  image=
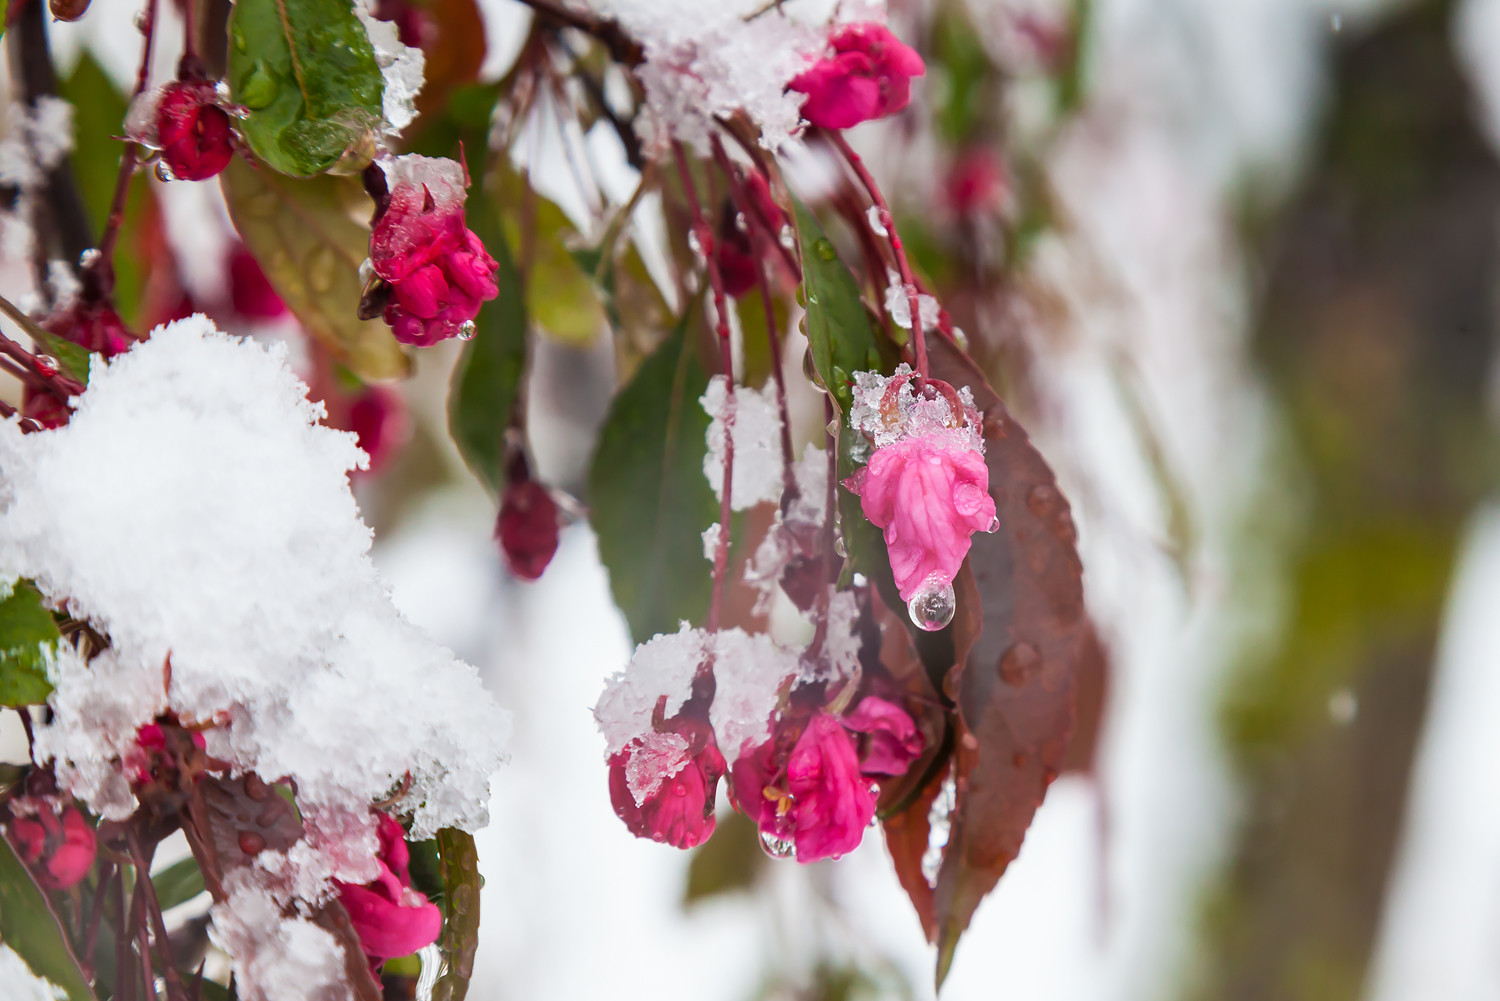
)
(705, 240)
(919, 343)
(765, 227)
(102, 267)
(158, 923)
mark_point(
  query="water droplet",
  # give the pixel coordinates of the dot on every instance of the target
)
(993, 526)
(839, 547)
(786, 237)
(141, 21)
(695, 244)
(88, 257)
(322, 268)
(932, 606)
(251, 843)
(259, 87)
(467, 330)
(1040, 499)
(366, 271)
(876, 220)
(1020, 663)
(824, 249)
(46, 364)
(463, 898)
(777, 847)
(810, 369)
(164, 173)
(833, 428)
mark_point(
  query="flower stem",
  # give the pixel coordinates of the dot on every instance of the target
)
(919, 343)
(158, 924)
(102, 267)
(705, 239)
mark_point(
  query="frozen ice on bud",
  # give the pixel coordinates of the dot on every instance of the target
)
(663, 785)
(185, 121)
(757, 443)
(932, 605)
(660, 671)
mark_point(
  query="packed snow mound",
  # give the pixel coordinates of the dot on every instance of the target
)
(195, 509)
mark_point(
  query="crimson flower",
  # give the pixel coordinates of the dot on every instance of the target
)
(868, 76)
(815, 797)
(527, 527)
(390, 918)
(663, 784)
(192, 130)
(56, 843)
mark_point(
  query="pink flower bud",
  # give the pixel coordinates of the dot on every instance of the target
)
(527, 527)
(47, 409)
(889, 740)
(390, 918)
(816, 798)
(663, 785)
(94, 327)
(192, 130)
(868, 76)
(437, 268)
(56, 842)
(249, 290)
(929, 493)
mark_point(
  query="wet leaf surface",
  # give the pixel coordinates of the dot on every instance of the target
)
(27, 633)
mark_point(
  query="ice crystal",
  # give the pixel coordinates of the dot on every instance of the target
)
(655, 758)
(401, 69)
(908, 414)
(663, 666)
(23, 985)
(195, 509)
(898, 304)
(278, 957)
(757, 443)
(711, 536)
(938, 822)
(711, 60)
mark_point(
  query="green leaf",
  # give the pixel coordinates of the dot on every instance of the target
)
(727, 862)
(71, 358)
(307, 238)
(178, 883)
(487, 379)
(27, 635)
(29, 926)
(306, 71)
(650, 501)
(460, 938)
(844, 341)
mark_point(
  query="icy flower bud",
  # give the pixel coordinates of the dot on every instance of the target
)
(889, 740)
(663, 784)
(192, 131)
(815, 801)
(55, 841)
(926, 485)
(390, 918)
(868, 76)
(527, 527)
(437, 269)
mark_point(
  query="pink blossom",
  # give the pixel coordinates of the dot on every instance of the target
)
(437, 269)
(192, 130)
(889, 739)
(817, 799)
(675, 809)
(929, 493)
(390, 917)
(867, 77)
(56, 843)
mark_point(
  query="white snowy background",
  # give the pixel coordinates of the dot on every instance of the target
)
(1191, 98)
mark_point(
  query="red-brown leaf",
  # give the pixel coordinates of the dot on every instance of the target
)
(1015, 690)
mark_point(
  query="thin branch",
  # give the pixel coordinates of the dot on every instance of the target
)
(102, 267)
(622, 48)
(158, 923)
(919, 342)
(705, 240)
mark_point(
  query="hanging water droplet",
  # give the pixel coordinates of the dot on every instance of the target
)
(833, 428)
(786, 237)
(46, 364)
(164, 173)
(824, 249)
(1020, 663)
(932, 606)
(467, 330)
(141, 21)
(88, 257)
(258, 89)
(366, 271)
(777, 847)
(993, 526)
(839, 547)
(694, 244)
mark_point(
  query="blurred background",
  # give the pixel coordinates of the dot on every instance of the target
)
(1234, 263)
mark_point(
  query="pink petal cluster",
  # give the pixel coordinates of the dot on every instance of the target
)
(56, 842)
(816, 799)
(889, 740)
(437, 269)
(390, 917)
(929, 493)
(679, 810)
(868, 76)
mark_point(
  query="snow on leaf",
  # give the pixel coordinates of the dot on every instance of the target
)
(757, 443)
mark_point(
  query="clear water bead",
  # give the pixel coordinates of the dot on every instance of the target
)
(164, 173)
(787, 238)
(993, 526)
(777, 847)
(931, 608)
(467, 330)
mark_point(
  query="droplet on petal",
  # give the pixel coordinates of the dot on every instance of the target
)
(932, 606)
(777, 847)
(993, 526)
(467, 330)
